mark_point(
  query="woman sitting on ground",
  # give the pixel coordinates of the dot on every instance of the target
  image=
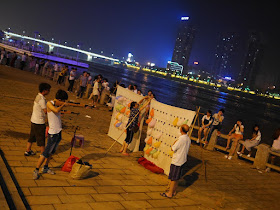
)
(250, 143)
(206, 121)
(238, 130)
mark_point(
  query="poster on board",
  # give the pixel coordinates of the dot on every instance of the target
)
(163, 130)
(120, 116)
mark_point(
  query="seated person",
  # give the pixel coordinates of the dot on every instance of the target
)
(250, 143)
(275, 146)
(217, 124)
(238, 130)
(206, 121)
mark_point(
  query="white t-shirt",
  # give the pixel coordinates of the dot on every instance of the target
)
(54, 120)
(237, 129)
(216, 119)
(55, 67)
(72, 75)
(38, 114)
(95, 89)
(259, 136)
(206, 120)
(276, 143)
(181, 149)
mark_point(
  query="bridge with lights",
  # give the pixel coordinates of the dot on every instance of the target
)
(52, 45)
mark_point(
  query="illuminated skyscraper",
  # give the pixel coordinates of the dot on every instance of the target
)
(225, 56)
(252, 61)
(184, 43)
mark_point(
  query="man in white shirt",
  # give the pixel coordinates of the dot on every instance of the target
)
(181, 149)
(23, 61)
(71, 79)
(38, 128)
(95, 92)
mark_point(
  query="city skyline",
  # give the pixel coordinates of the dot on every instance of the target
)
(150, 32)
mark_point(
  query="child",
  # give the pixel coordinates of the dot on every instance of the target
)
(55, 127)
(38, 128)
(217, 123)
(238, 130)
(206, 122)
(254, 141)
(132, 122)
(181, 149)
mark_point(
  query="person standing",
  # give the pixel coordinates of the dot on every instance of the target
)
(181, 150)
(71, 79)
(54, 134)
(23, 61)
(14, 58)
(38, 128)
(83, 85)
(95, 91)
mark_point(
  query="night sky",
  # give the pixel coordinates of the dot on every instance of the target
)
(146, 28)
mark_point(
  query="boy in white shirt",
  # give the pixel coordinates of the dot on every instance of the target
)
(54, 134)
(38, 128)
(181, 149)
(95, 92)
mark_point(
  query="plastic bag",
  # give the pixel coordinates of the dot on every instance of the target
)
(80, 171)
(67, 167)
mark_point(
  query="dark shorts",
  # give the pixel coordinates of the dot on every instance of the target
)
(53, 141)
(129, 135)
(37, 134)
(95, 98)
(175, 172)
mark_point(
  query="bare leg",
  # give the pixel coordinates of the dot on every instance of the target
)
(235, 143)
(172, 189)
(28, 147)
(243, 148)
(122, 146)
(42, 148)
(125, 148)
(228, 142)
(205, 133)
(199, 133)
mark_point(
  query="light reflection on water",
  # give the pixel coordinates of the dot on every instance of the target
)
(251, 110)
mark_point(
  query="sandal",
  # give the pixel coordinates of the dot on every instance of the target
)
(164, 195)
(125, 154)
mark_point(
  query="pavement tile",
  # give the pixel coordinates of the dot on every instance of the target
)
(162, 203)
(42, 199)
(135, 204)
(54, 183)
(42, 207)
(109, 182)
(79, 190)
(109, 189)
(135, 196)
(72, 206)
(107, 197)
(75, 198)
(46, 190)
(136, 188)
(106, 205)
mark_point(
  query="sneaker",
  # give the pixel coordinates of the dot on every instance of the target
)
(226, 156)
(229, 157)
(238, 153)
(197, 141)
(267, 170)
(29, 153)
(48, 170)
(36, 174)
(248, 155)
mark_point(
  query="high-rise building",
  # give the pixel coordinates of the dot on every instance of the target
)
(252, 61)
(183, 44)
(225, 56)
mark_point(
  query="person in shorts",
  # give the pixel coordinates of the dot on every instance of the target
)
(54, 134)
(181, 149)
(216, 124)
(238, 130)
(38, 127)
(206, 121)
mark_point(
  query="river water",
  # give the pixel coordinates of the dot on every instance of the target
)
(251, 110)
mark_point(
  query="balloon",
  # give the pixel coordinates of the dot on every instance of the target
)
(152, 113)
(175, 121)
(152, 123)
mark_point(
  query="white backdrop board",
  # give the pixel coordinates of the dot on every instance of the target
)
(164, 133)
(119, 120)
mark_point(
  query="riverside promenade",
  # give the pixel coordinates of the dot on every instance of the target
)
(119, 182)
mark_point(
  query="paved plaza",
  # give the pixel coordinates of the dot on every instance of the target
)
(117, 182)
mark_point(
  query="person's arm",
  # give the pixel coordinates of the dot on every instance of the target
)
(210, 122)
(241, 128)
(176, 145)
(221, 118)
(202, 121)
(146, 97)
(55, 109)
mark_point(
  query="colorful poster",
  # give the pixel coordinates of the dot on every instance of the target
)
(163, 130)
(120, 118)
